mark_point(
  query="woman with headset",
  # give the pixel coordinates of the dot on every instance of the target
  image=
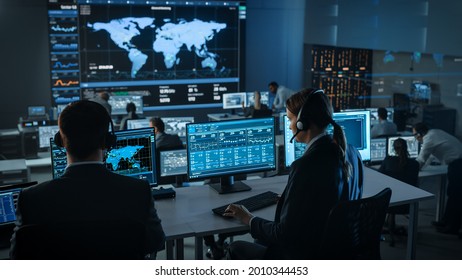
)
(317, 181)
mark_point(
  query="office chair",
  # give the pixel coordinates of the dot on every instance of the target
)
(94, 240)
(263, 113)
(354, 227)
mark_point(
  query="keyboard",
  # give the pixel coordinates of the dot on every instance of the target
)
(252, 203)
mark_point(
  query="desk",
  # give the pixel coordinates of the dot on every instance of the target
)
(430, 171)
(14, 171)
(441, 171)
(189, 214)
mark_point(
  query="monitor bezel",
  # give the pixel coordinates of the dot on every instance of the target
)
(155, 178)
(353, 112)
(238, 106)
(404, 137)
(161, 165)
(234, 172)
(383, 139)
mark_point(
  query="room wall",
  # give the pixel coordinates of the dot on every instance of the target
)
(24, 73)
(397, 77)
(274, 43)
(402, 27)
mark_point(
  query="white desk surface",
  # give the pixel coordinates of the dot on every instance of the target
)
(192, 207)
(433, 170)
(11, 165)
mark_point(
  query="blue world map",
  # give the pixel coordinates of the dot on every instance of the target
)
(126, 154)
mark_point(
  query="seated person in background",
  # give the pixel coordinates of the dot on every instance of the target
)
(87, 191)
(448, 150)
(103, 98)
(249, 112)
(384, 127)
(403, 168)
(278, 96)
(164, 140)
(131, 110)
(316, 182)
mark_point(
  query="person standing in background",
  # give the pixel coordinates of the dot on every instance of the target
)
(278, 96)
(448, 150)
(384, 127)
(103, 99)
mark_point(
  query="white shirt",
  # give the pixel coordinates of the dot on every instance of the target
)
(442, 145)
(282, 94)
(384, 127)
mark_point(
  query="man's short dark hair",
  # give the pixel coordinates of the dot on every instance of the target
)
(273, 84)
(158, 123)
(131, 107)
(85, 125)
(383, 113)
(421, 128)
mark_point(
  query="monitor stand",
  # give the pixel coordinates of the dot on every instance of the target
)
(227, 185)
(178, 181)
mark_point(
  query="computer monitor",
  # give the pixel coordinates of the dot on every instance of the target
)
(421, 92)
(375, 115)
(357, 128)
(234, 100)
(134, 154)
(36, 112)
(251, 101)
(45, 133)
(293, 150)
(226, 148)
(119, 104)
(177, 125)
(58, 159)
(138, 123)
(378, 149)
(173, 163)
(412, 145)
(9, 200)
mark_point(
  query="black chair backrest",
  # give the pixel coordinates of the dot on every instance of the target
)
(354, 227)
(263, 113)
(95, 240)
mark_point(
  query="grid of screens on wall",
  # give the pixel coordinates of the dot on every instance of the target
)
(356, 125)
(173, 54)
(133, 155)
(230, 147)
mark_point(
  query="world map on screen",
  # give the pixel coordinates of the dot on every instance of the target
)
(127, 154)
(168, 39)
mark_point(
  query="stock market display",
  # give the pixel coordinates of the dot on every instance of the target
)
(239, 146)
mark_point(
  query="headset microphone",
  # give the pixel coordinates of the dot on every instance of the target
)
(293, 137)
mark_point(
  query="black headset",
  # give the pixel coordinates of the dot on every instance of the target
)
(110, 139)
(303, 119)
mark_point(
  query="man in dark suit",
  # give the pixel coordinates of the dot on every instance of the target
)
(164, 140)
(87, 191)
